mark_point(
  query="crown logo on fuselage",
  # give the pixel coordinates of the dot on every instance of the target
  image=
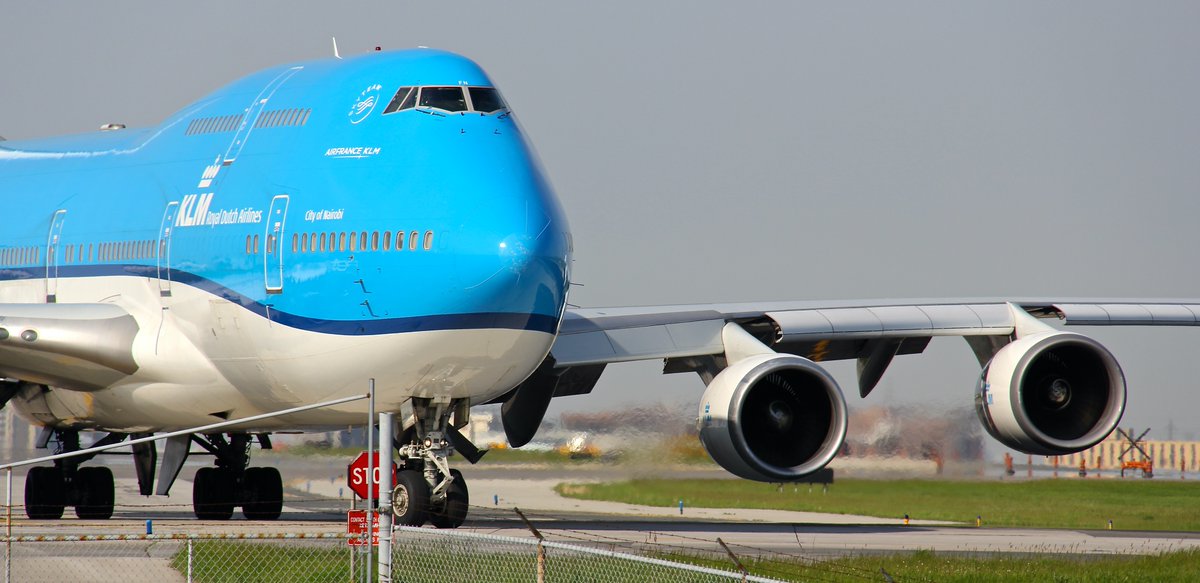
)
(365, 103)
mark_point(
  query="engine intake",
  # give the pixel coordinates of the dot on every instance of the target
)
(773, 418)
(1051, 394)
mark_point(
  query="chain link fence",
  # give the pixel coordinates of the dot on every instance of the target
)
(422, 555)
(419, 555)
(184, 558)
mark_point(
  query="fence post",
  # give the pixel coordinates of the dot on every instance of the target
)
(371, 484)
(189, 573)
(740, 567)
(541, 550)
(8, 529)
(385, 497)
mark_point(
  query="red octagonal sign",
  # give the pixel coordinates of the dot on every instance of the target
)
(356, 475)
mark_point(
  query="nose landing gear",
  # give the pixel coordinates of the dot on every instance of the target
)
(426, 488)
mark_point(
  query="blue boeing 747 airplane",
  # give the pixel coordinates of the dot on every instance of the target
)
(302, 230)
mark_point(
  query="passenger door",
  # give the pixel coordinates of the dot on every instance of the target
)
(52, 245)
(273, 244)
(163, 253)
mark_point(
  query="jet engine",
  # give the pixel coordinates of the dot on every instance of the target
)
(1051, 394)
(772, 418)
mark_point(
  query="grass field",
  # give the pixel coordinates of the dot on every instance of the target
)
(1132, 504)
(219, 561)
(926, 566)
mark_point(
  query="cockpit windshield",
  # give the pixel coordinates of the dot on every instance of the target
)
(447, 98)
(484, 100)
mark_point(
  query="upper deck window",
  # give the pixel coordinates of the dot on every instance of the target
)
(485, 99)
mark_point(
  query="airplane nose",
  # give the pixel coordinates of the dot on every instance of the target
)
(516, 254)
(516, 251)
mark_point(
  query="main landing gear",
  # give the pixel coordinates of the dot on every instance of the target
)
(48, 491)
(426, 488)
(216, 491)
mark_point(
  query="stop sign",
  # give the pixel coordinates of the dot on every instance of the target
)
(356, 475)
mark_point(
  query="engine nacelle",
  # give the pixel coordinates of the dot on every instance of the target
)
(1051, 394)
(773, 418)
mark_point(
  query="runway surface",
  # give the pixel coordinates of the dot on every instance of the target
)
(317, 499)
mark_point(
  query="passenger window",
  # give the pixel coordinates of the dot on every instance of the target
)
(256, 244)
(249, 249)
(447, 98)
(399, 240)
(304, 243)
(412, 240)
(342, 242)
(90, 256)
(363, 240)
(405, 98)
(295, 242)
(374, 240)
(428, 240)
(387, 240)
(322, 242)
(486, 100)
(353, 241)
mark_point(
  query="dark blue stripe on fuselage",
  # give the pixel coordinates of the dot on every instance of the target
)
(425, 323)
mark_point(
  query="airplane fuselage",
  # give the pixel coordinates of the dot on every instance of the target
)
(283, 240)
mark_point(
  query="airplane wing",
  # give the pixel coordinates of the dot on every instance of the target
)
(833, 330)
(83, 347)
(710, 339)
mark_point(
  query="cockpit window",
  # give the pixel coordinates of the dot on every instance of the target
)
(406, 98)
(485, 99)
(447, 98)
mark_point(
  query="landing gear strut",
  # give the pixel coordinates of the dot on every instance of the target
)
(216, 491)
(426, 488)
(48, 491)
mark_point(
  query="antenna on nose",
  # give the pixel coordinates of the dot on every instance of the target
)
(335, 50)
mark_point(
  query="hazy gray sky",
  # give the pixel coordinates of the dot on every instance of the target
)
(719, 151)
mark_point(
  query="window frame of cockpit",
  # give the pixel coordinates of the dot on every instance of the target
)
(413, 90)
(471, 100)
(412, 98)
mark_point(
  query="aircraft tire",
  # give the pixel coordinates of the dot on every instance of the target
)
(45, 493)
(94, 486)
(212, 494)
(410, 499)
(264, 494)
(458, 500)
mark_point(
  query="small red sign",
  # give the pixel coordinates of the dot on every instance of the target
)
(356, 475)
(356, 525)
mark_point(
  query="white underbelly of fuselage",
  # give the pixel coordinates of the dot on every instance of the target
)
(203, 359)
